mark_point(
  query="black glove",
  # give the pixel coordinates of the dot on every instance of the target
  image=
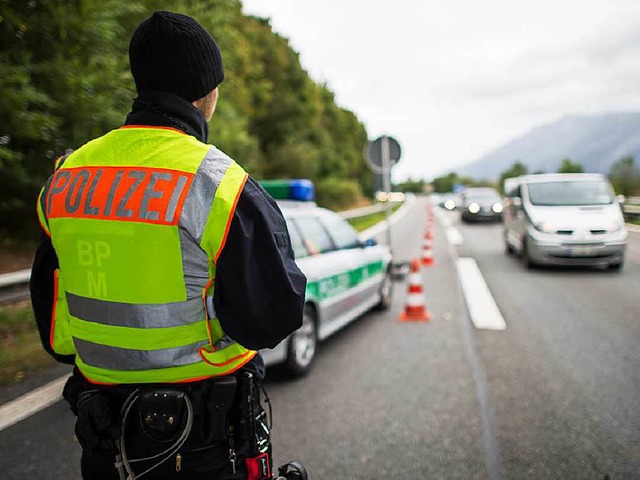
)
(97, 427)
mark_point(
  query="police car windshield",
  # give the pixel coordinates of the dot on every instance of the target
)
(580, 193)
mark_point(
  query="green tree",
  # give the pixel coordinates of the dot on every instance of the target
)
(62, 84)
(515, 170)
(625, 176)
(411, 185)
(569, 166)
(337, 194)
(65, 79)
(445, 183)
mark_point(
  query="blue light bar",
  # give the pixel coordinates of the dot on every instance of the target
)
(301, 190)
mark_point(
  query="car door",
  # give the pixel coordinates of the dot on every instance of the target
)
(327, 269)
(366, 269)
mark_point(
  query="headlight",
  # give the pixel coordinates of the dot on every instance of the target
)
(449, 204)
(497, 207)
(614, 226)
(543, 227)
(474, 208)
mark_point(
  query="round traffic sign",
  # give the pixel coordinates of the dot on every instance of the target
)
(376, 150)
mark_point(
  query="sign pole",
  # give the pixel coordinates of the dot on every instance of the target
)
(381, 155)
(386, 185)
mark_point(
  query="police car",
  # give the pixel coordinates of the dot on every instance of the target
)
(346, 276)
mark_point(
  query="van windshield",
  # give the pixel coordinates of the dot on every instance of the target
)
(570, 193)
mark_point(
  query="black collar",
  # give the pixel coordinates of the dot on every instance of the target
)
(160, 109)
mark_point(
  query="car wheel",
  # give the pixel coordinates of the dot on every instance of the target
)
(508, 248)
(303, 344)
(525, 257)
(386, 291)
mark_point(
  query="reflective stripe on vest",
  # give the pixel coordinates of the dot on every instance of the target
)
(138, 219)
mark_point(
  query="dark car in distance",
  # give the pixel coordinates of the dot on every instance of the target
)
(481, 204)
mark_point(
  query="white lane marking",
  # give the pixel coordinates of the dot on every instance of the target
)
(453, 233)
(482, 307)
(32, 402)
(454, 236)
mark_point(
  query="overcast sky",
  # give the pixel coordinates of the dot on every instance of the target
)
(453, 79)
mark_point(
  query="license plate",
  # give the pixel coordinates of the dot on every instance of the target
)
(582, 252)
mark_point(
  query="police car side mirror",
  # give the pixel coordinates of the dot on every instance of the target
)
(369, 242)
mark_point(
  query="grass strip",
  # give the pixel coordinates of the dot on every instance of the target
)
(21, 353)
(364, 222)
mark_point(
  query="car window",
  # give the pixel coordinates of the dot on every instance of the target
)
(483, 197)
(314, 235)
(299, 250)
(570, 193)
(344, 235)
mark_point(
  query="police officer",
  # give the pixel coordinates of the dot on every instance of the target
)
(165, 267)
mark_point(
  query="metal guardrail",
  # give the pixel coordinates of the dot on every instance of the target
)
(362, 211)
(13, 286)
(631, 206)
(14, 278)
(628, 209)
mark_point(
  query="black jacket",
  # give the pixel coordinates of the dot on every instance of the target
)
(259, 290)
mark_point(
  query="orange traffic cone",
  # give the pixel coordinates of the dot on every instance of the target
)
(427, 254)
(428, 235)
(415, 309)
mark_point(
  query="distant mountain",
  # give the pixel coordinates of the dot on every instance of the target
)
(596, 142)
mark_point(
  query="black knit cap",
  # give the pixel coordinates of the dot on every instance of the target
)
(171, 52)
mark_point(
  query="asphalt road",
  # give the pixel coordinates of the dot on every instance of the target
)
(556, 395)
(565, 375)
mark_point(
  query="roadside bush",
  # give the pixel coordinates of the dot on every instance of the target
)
(338, 194)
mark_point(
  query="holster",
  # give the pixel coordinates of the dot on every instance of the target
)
(162, 414)
(217, 400)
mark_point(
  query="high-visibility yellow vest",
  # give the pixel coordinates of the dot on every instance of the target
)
(138, 219)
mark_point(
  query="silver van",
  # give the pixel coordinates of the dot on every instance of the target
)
(564, 219)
